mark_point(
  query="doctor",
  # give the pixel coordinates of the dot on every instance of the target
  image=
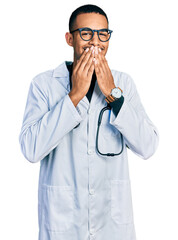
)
(82, 193)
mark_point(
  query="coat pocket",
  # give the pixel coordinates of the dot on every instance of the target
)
(121, 202)
(109, 130)
(109, 139)
(58, 207)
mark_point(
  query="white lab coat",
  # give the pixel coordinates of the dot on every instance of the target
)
(83, 195)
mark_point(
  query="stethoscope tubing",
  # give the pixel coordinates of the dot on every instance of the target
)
(108, 107)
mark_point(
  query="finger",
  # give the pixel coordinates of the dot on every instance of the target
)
(85, 59)
(91, 70)
(84, 55)
(104, 64)
(107, 68)
(99, 64)
(88, 64)
(97, 67)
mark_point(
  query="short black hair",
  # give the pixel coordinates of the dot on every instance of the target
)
(89, 8)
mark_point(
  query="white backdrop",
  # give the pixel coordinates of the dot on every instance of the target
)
(144, 45)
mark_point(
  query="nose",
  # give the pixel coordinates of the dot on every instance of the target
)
(95, 40)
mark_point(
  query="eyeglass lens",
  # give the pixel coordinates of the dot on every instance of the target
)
(87, 35)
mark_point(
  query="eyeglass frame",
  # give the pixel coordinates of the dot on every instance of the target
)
(93, 31)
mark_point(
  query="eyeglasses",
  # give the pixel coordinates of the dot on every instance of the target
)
(87, 34)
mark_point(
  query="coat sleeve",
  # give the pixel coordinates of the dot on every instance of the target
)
(139, 133)
(43, 128)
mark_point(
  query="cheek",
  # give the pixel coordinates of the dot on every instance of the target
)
(78, 51)
(79, 48)
(106, 49)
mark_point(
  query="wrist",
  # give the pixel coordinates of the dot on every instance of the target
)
(114, 95)
(75, 98)
(108, 93)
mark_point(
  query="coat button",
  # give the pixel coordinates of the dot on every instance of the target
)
(91, 191)
(89, 111)
(90, 151)
(92, 231)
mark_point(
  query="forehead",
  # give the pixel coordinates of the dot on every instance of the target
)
(91, 20)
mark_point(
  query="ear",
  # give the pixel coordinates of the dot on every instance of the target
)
(69, 39)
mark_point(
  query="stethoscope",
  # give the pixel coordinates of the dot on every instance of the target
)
(108, 107)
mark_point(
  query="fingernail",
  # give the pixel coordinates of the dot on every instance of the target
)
(91, 48)
(87, 50)
(96, 50)
(99, 49)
